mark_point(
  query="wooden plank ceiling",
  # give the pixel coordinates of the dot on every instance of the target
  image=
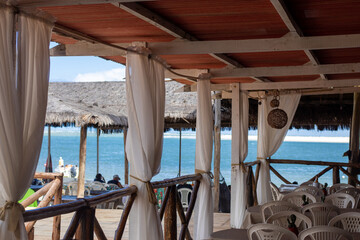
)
(223, 20)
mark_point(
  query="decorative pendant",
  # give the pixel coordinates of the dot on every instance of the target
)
(277, 117)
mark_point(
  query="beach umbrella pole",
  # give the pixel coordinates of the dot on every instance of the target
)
(126, 172)
(179, 174)
(97, 150)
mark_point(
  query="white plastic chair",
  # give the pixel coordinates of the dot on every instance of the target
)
(264, 231)
(72, 188)
(302, 222)
(348, 221)
(296, 198)
(316, 192)
(271, 208)
(184, 197)
(320, 213)
(339, 186)
(310, 183)
(325, 233)
(275, 193)
(341, 200)
(97, 186)
(355, 192)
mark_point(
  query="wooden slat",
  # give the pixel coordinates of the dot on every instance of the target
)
(121, 227)
(180, 211)
(279, 175)
(57, 219)
(320, 173)
(98, 230)
(175, 181)
(73, 225)
(37, 194)
(170, 226)
(354, 179)
(164, 203)
(306, 162)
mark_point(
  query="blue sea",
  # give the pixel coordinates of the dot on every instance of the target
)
(299, 145)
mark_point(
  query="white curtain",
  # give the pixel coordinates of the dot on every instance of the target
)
(270, 139)
(203, 217)
(239, 151)
(145, 91)
(23, 100)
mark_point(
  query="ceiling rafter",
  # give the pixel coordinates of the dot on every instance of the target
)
(54, 3)
(294, 28)
(174, 30)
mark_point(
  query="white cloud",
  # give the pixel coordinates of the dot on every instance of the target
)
(116, 74)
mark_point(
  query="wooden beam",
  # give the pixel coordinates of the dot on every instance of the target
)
(300, 85)
(256, 45)
(289, 21)
(54, 3)
(172, 29)
(82, 161)
(286, 71)
(83, 48)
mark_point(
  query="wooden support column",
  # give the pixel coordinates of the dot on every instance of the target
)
(179, 174)
(354, 137)
(97, 149)
(217, 151)
(170, 226)
(336, 175)
(82, 161)
(126, 172)
(57, 219)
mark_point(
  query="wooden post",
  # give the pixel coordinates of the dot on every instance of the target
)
(354, 137)
(57, 219)
(170, 226)
(97, 149)
(126, 160)
(82, 161)
(87, 224)
(31, 234)
(336, 175)
(179, 174)
(217, 148)
(49, 141)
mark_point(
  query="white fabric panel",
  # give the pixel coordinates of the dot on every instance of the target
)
(203, 217)
(270, 139)
(23, 101)
(239, 151)
(145, 91)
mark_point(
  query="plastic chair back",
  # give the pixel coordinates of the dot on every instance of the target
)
(339, 186)
(184, 197)
(296, 198)
(263, 231)
(320, 213)
(316, 192)
(348, 221)
(355, 192)
(302, 222)
(275, 193)
(341, 200)
(271, 208)
(325, 233)
(97, 186)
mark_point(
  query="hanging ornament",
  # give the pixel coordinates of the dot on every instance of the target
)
(277, 117)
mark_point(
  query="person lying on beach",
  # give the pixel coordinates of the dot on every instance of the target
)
(116, 180)
(99, 178)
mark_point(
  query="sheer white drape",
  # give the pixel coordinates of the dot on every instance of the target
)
(23, 100)
(203, 217)
(145, 91)
(270, 139)
(239, 151)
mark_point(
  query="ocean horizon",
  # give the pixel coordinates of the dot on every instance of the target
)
(298, 145)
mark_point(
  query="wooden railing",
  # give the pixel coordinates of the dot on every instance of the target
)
(84, 223)
(52, 190)
(335, 166)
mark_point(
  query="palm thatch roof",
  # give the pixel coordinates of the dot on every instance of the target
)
(103, 105)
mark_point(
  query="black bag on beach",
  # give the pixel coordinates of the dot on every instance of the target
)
(224, 198)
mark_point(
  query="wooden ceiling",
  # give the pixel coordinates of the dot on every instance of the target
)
(163, 21)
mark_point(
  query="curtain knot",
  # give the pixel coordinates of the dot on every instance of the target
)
(149, 188)
(204, 172)
(16, 210)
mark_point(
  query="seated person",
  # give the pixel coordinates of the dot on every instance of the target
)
(116, 180)
(99, 178)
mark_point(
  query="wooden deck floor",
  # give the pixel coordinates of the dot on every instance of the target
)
(109, 219)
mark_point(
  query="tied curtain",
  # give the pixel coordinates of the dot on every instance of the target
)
(145, 92)
(203, 217)
(23, 100)
(239, 150)
(270, 139)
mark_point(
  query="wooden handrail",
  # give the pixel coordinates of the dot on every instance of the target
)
(250, 164)
(171, 182)
(51, 211)
(47, 175)
(307, 162)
